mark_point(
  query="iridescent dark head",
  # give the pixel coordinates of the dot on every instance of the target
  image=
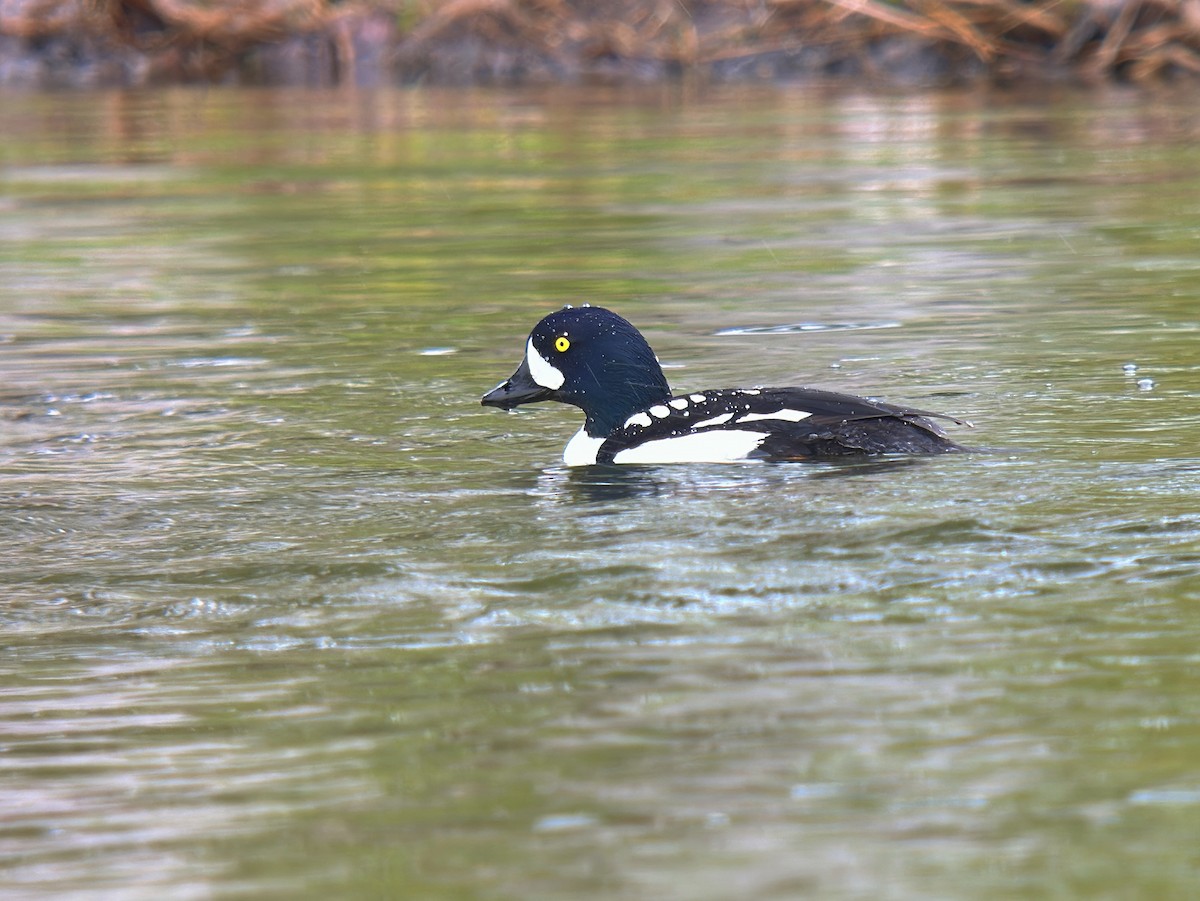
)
(588, 357)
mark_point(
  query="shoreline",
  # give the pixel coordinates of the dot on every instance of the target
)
(315, 43)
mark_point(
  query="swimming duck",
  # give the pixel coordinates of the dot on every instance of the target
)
(593, 359)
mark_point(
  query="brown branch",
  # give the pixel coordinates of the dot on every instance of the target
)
(890, 15)
(962, 29)
(1111, 46)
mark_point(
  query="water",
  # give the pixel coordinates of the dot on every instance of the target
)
(287, 614)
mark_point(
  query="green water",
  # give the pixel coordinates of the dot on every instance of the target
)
(285, 613)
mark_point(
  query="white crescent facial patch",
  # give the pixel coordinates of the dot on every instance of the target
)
(542, 370)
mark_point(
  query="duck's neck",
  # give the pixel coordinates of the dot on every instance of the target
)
(607, 410)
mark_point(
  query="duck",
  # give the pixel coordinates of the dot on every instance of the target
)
(594, 359)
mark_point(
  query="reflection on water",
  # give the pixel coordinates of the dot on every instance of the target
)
(804, 327)
(597, 484)
(285, 613)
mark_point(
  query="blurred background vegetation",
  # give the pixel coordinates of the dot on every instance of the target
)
(82, 43)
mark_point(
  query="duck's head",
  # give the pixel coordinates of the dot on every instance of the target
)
(588, 357)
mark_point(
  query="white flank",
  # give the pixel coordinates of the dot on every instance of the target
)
(785, 415)
(541, 369)
(581, 450)
(678, 403)
(637, 419)
(716, 420)
(660, 410)
(701, 447)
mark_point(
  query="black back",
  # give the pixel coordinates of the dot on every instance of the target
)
(837, 424)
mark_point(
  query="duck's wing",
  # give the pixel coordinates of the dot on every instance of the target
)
(833, 405)
(772, 423)
(841, 424)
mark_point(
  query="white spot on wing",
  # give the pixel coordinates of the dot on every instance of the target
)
(542, 370)
(696, 447)
(697, 398)
(785, 415)
(660, 410)
(581, 450)
(637, 419)
(716, 420)
(678, 403)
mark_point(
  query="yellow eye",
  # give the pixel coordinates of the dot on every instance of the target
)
(561, 344)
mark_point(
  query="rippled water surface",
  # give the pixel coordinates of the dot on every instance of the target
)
(285, 613)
